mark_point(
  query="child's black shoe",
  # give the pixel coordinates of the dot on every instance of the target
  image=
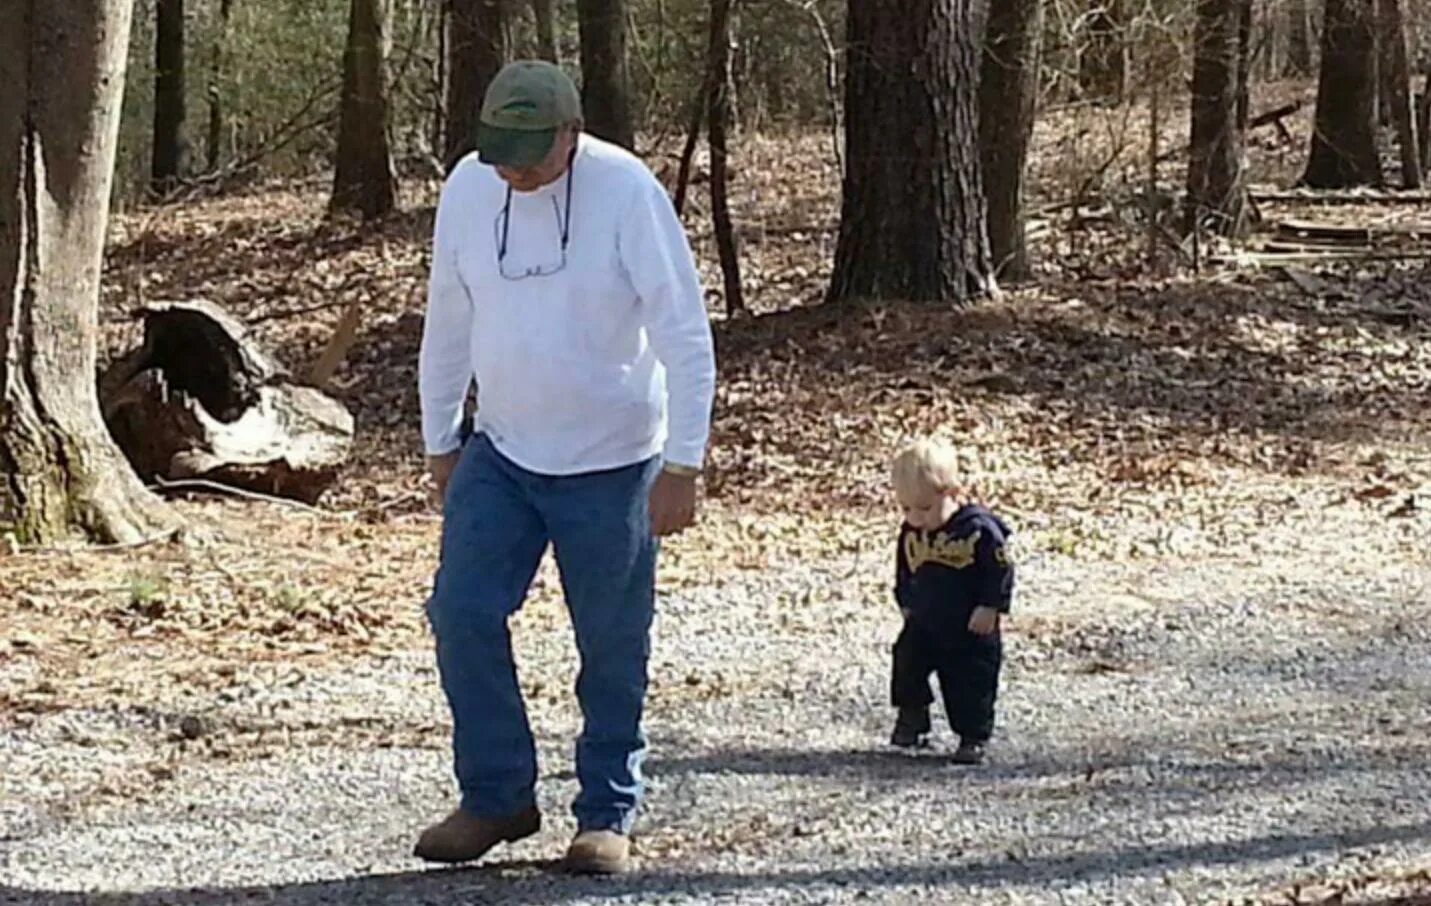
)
(911, 729)
(969, 752)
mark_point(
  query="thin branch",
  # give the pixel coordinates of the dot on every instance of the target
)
(163, 537)
(199, 484)
(832, 77)
(286, 134)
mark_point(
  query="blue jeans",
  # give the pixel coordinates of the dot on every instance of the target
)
(498, 519)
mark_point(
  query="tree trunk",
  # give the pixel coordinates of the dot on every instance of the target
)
(693, 137)
(1423, 123)
(1216, 192)
(1301, 39)
(832, 84)
(912, 222)
(1270, 24)
(363, 180)
(440, 81)
(1396, 81)
(719, 117)
(62, 65)
(545, 13)
(217, 66)
(476, 49)
(1344, 136)
(1008, 95)
(605, 92)
(1244, 64)
(733, 87)
(1103, 58)
(168, 151)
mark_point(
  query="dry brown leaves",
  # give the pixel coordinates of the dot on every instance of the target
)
(1111, 414)
(1398, 888)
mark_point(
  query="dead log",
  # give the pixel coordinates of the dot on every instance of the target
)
(200, 400)
(1275, 115)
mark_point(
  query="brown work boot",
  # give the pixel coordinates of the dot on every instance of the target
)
(598, 852)
(462, 837)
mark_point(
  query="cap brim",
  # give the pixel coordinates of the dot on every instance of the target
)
(513, 147)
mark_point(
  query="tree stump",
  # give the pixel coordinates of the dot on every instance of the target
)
(200, 400)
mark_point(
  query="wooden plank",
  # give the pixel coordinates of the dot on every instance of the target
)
(1279, 245)
(1415, 230)
(1308, 282)
(342, 340)
(1309, 196)
(1363, 232)
(1272, 259)
(1339, 232)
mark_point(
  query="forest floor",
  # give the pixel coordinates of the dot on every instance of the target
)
(1219, 664)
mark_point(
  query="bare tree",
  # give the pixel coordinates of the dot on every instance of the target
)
(912, 222)
(699, 110)
(1423, 123)
(1396, 88)
(718, 114)
(169, 106)
(476, 50)
(440, 81)
(544, 11)
(1301, 37)
(1244, 63)
(1216, 192)
(1103, 55)
(605, 90)
(218, 63)
(1344, 135)
(1008, 95)
(363, 180)
(1273, 27)
(62, 65)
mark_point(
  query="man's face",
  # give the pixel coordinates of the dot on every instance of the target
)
(529, 179)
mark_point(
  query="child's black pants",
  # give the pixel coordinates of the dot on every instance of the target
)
(968, 669)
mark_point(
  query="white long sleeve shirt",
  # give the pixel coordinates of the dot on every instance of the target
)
(602, 361)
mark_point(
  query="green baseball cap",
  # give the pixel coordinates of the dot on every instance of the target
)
(526, 103)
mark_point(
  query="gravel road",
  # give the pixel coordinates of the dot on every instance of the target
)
(1170, 733)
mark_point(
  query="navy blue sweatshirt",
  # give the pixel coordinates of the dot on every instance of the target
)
(942, 575)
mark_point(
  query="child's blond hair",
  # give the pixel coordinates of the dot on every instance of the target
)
(926, 465)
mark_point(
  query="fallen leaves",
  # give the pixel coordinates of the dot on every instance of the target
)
(1110, 414)
(1399, 887)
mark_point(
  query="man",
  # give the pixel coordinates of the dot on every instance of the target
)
(563, 282)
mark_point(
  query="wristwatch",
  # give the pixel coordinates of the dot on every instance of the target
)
(677, 469)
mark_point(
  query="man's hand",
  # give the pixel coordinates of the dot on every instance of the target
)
(984, 621)
(673, 504)
(440, 468)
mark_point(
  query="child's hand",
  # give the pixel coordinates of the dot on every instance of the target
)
(984, 621)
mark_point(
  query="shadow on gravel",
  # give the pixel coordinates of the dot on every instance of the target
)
(866, 764)
(530, 884)
(1131, 766)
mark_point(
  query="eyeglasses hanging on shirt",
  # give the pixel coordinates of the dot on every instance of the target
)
(504, 224)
